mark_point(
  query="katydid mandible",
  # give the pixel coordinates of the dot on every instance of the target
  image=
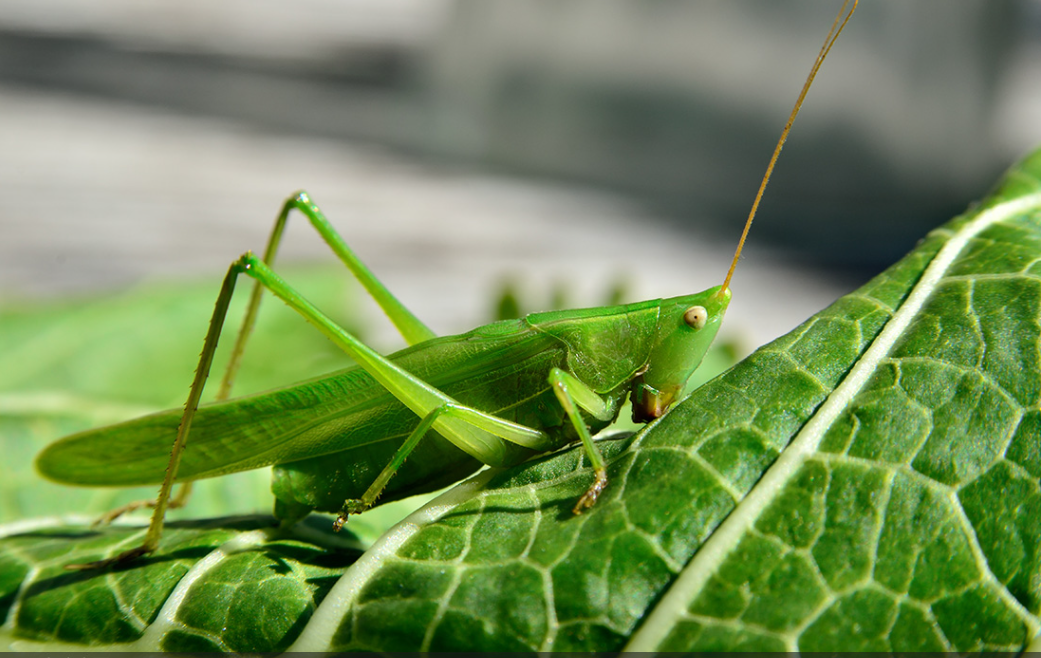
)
(418, 419)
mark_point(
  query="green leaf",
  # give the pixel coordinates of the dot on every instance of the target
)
(228, 585)
(66, 367)
(869, 482)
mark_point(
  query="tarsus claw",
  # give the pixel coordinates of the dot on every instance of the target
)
(588, 499)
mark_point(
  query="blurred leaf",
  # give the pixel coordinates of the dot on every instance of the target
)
(869, 482)
(66, 367)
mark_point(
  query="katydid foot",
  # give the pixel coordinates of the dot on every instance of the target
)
(125, 556)
(352, 506)
(588, 499)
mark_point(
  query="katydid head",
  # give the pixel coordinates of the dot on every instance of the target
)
(686, 328)
(688, 325)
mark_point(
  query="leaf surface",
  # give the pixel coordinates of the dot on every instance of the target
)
(869, 482)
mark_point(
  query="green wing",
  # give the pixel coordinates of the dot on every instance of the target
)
(495, 368)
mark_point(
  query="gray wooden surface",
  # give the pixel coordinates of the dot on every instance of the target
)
(97, 195)
(918, 110)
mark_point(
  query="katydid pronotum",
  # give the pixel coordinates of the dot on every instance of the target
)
(497, 395)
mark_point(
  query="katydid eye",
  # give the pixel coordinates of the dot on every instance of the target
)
(696, 317)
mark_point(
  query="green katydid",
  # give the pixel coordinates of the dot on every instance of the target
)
(496, 395)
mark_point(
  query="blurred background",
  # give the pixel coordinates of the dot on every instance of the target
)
(457, 144)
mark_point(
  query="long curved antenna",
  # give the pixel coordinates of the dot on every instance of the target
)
(833, 34)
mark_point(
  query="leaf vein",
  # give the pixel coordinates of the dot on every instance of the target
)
(727, 536)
